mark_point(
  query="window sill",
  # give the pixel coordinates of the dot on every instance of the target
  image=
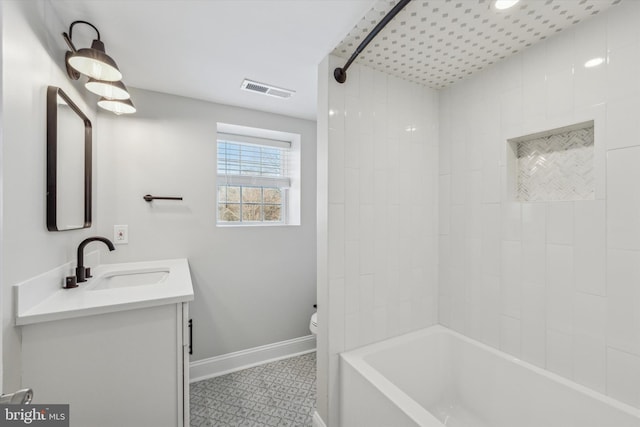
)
(250, 225)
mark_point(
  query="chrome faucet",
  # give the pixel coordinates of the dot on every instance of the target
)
(83, 273)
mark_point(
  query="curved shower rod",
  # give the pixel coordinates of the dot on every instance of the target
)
(340, 74)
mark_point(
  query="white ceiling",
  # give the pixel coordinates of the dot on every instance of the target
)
(204, 49)
(438, 42)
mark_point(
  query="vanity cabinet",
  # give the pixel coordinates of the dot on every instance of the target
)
(126, 368)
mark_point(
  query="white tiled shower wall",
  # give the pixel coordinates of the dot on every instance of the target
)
(382, 191)
(554, 283)
(381, 188)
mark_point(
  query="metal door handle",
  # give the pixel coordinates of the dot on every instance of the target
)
(21, 397)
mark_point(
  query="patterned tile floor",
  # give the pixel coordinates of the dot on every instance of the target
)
(277, 394)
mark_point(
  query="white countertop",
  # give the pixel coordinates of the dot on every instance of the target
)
(37, 301)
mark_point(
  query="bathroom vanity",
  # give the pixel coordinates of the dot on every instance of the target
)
(115, 348)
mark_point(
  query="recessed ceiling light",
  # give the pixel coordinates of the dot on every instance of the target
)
(594, 62)
(504, 4)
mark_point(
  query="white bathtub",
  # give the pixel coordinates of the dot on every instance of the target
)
(437, 377)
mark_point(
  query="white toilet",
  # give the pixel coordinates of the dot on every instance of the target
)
(313, 323)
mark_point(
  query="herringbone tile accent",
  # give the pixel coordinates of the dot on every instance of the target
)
(557, 167)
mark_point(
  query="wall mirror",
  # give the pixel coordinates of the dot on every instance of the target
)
(68, 163)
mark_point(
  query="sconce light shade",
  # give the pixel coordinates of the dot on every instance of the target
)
(117, 106)
(95, 63)
(111, 90)
(104, 75)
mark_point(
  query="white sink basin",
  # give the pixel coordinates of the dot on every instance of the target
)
(128, 279)
(114, 287)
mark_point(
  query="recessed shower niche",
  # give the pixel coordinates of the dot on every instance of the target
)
(554, 165)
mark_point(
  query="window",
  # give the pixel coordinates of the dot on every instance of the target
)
(256, 177)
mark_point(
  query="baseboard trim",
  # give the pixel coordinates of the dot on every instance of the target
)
(317, 420)
(231, 362)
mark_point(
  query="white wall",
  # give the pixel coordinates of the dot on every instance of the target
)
(554, 283)
(167, 148)
(253, 285)
(33, 57)
(1, 228)
(377, 232)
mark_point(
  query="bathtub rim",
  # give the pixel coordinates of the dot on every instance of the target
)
(407, 405)
(356, 359)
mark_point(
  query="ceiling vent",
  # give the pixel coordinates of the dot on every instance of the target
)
(266, 89)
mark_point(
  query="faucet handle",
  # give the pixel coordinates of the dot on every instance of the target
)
(87, 272)
(70, 282)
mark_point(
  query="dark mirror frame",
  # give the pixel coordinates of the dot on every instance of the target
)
(52, 158)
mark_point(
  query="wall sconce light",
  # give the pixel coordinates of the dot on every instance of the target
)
(104, 75)
(117, 106)
(112, 90)
(93, 61)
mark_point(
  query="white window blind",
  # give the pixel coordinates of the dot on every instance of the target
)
(251, 161)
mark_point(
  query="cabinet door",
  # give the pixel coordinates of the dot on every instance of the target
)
(113, 369)
(183, 369)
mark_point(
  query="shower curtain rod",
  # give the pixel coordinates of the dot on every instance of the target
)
(340, 74)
